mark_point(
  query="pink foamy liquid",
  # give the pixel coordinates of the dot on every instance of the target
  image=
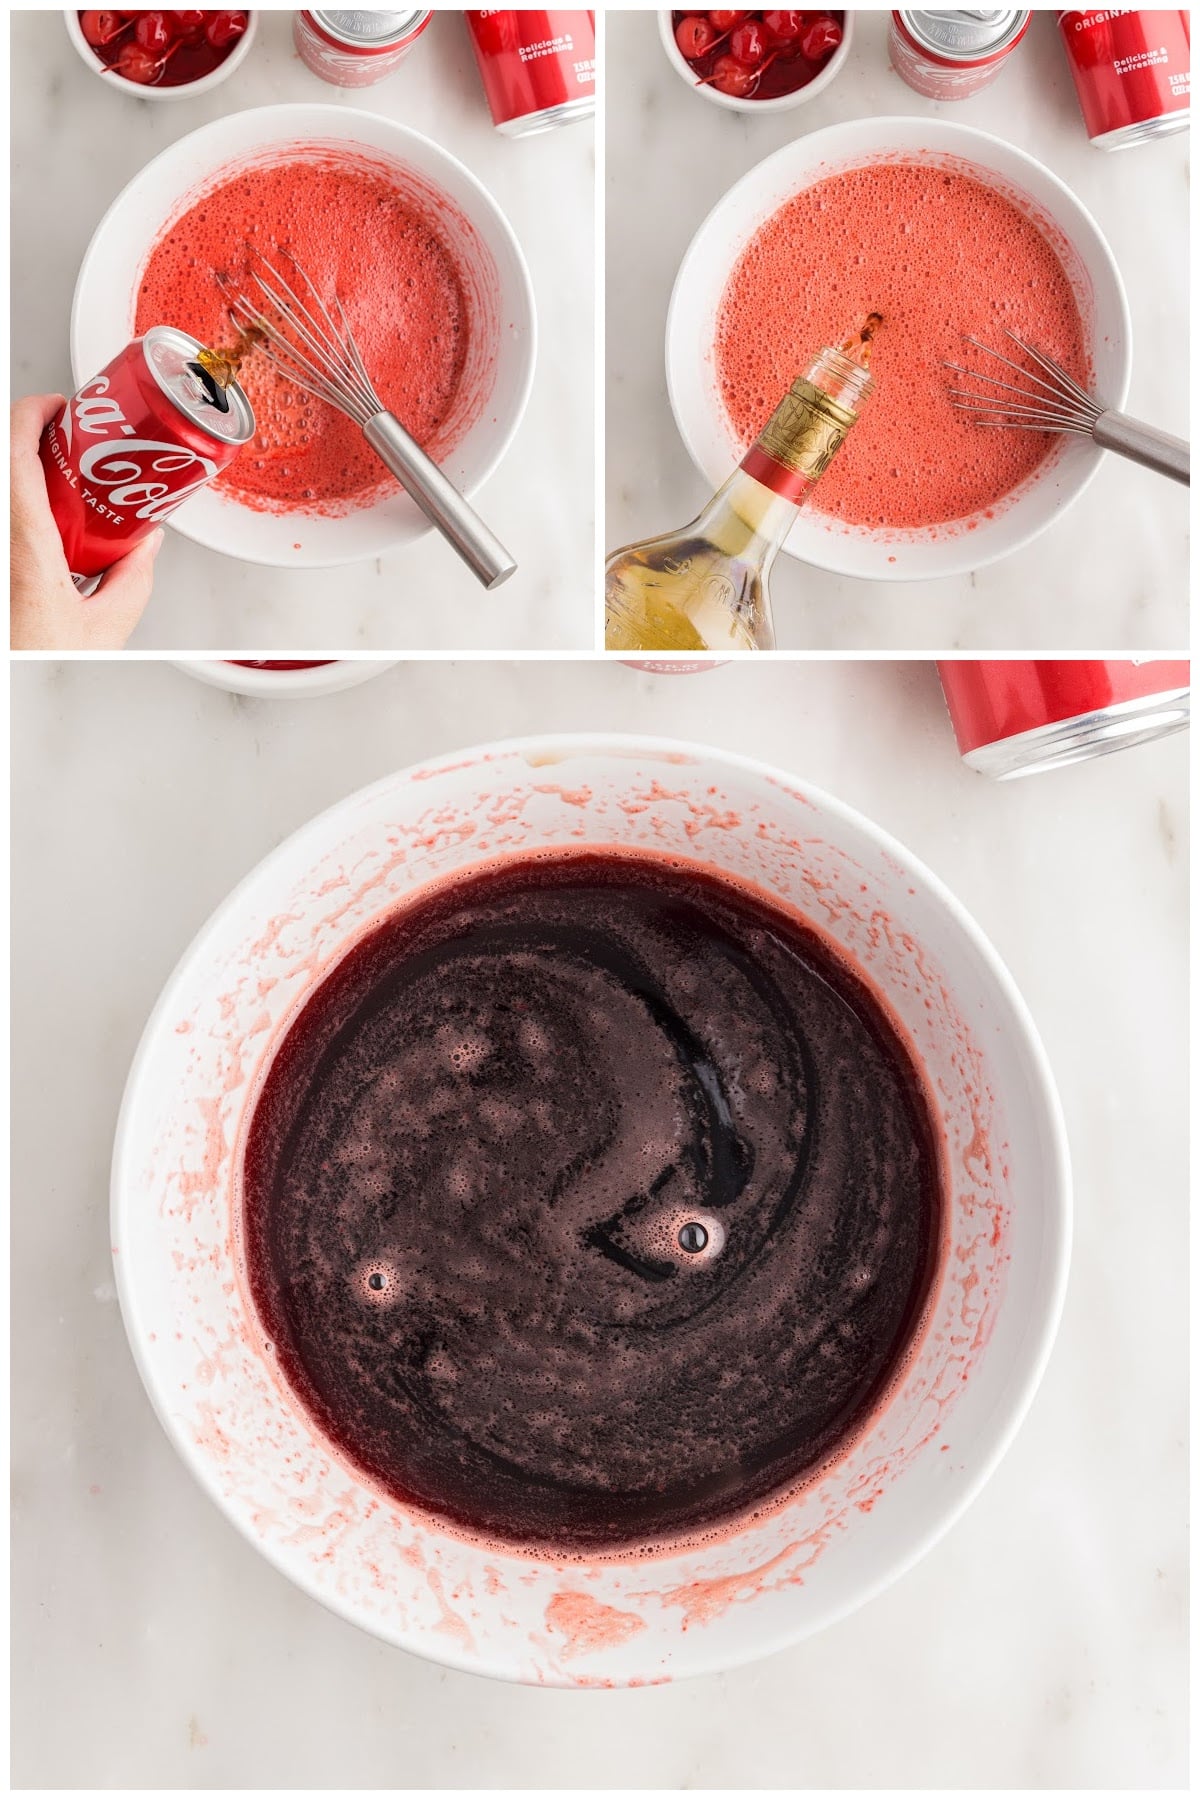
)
(939, 254)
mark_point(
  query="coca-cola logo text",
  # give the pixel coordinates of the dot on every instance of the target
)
(147, 476)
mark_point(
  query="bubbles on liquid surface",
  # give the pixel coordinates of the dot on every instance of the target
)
(378, 1282)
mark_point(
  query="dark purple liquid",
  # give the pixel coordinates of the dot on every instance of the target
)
(590, 1202)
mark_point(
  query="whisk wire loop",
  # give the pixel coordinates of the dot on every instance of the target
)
(325, 339)
(1060, 377)
(355, 357)
(1061, 387)
(994, 381)
(329, 361)
(1053, 401)
(308, 339)
(294, 365)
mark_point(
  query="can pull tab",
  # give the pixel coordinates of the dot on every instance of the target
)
(214, 393)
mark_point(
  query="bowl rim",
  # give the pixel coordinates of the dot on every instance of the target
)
(776, 103)
(956, 139)
(328, 675)
(340, 120)
(185, 90)
(995, 1436)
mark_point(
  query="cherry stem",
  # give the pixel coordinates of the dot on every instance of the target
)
(704, 80)
(763, 66)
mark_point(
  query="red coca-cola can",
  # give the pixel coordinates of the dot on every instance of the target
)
(538, 68)
(1019, 718)
(951, 55)
(1132, 72)
(133, 444)
(356, 49)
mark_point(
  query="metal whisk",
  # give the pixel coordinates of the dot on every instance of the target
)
(310, 342)
(1054, 402)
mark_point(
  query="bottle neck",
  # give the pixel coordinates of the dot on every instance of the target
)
(746, 518)
(808, 427)
(752, 514)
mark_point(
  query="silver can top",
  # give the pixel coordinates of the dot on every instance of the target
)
(168, 353)
(1117, 727)
(965, 36)
(370, 30)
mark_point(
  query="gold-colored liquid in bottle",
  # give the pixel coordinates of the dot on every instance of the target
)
(704, 587)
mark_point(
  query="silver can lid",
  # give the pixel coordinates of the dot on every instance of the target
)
(1117, 727)
(965, 36)
(370, 30)
(168, 353)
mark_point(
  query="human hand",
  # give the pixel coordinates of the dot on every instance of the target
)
(47, 613)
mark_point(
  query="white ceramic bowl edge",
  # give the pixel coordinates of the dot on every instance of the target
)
(534, 1617)
(710, 258)
(499, 374)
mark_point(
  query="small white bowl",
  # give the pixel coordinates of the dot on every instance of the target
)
(780, 102)
(396, 1570)
(187, 90)
(499, 372)
(284, 684)
(692, 378)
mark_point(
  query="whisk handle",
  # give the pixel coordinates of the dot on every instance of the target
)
(1144, 444)
(439, 500)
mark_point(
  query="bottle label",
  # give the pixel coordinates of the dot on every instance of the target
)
(799, 441)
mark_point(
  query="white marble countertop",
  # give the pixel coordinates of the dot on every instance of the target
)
(1041, 1644)
(1114, 570)
(76, 143)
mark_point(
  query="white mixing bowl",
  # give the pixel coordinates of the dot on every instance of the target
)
(533, 1616)
(499, 371)
(692, 379)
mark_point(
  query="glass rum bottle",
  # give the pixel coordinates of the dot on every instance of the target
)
(704, 587)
